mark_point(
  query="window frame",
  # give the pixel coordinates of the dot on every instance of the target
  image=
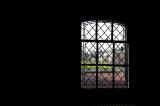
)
(126, 42)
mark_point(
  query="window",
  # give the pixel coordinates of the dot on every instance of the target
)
(104, 54)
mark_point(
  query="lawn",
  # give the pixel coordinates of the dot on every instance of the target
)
(102, 69)
(93, 62)
(99, 67)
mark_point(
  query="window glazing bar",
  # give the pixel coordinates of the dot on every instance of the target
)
(96, 54)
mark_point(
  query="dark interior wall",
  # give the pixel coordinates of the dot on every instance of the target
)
(143, 38)
(61, 45)
(63, 60)
(53, 53)
(67, 79)
(66, 46)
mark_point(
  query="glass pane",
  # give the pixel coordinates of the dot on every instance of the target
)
(120, 53)
(88, 76)
(105, 53)
(104, 31)
(105, 77)
(120, 77)
(88, 55)
(88, 30)
(118, 32)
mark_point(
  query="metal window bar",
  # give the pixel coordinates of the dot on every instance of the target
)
(83, 50)
(97, 54)
(113, 70)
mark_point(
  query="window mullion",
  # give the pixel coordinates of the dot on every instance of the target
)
(126, 62)
(112, 31)
(84, 50)
(97, 54)
(113, 70)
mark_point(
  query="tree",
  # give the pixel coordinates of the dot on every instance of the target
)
(122, 48)
(93, 54)
(86, 55)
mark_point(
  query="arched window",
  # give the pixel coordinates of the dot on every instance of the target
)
(104, 54)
